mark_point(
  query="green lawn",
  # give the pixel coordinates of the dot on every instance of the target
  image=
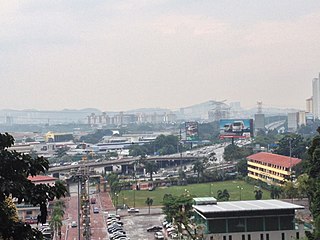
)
(199, 190)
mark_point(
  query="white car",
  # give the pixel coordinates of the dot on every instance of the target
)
(133, 210)
(158, 235)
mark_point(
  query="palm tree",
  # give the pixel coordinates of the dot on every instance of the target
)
(57, 217)
(258, 194)
(149, 202)
(198, 167)
(223, 195)
(56, 224)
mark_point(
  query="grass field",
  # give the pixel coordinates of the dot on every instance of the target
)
(199, 190)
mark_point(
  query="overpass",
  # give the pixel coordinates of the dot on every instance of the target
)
(125, 163)
(275, 125)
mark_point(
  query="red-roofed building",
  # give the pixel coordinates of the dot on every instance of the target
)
(40, 179)
(271, 168)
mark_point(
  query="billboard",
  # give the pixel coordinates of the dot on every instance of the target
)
(236, 128)
(192, 133)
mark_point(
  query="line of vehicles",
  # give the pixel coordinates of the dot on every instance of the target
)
(115, 228)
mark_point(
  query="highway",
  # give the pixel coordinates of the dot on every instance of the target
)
(189, 156)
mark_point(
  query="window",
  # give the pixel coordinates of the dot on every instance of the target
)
(230, 237)
(211, 238)
(243, 237)
(297, 235)
(261, 236)
(249, 236)
(267, 236)
(283, 237)
(224, 238)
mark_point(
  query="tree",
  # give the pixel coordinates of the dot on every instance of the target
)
(198, 167)
(242, 167)
(151, 167)
(15, 168)
(275, 192)
(149, 202)
(57, 218)
(290, 190)
(114, 183)
(62, 151)
(313, 186)
(137, 150)
(302, 185)
(223, 195)
(258, 194)
(179, 209)
(292, 143)
(234, 152)
(96, 136)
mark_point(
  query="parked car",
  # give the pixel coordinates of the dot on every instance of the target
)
(133, 210)
(158, 235)
(31, 220)
(110, 222)
(74, 224)
(154, 228)
(117, 235)
(95, 210)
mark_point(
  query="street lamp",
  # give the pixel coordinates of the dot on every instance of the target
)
(117, 195)
(210, 193)
(240, 188)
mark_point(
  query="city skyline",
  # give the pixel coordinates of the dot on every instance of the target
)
(119, 56)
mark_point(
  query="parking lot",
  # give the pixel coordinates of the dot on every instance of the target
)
(136, 225)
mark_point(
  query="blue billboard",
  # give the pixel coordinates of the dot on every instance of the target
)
(236, 128)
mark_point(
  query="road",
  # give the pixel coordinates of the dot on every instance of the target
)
(98, 225)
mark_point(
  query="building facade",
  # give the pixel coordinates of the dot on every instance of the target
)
(316, 97)
(309, 105)
(249, 220)
(271, 168)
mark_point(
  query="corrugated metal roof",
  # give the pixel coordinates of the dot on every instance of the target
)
(253, 205)
(275, 159)
(205, 200)
(41, 178)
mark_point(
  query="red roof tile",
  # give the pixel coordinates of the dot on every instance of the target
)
(275, 159)
(40, 178)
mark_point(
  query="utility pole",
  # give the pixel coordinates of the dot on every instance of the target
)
(79, 185)
(180, 148)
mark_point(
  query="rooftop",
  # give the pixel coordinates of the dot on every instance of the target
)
(252, 205)
(279, 160)
(41, 178)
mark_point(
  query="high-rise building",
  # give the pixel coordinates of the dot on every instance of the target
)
(309, 105)
(292, 122)
(316, 97)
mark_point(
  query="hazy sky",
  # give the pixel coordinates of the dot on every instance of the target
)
(124, 54)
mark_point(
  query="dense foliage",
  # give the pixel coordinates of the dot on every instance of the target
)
(313, 186)
(233, 152)
(96, 136)
(293, 144)
(15, 168)
(179, 210)
(162, 145)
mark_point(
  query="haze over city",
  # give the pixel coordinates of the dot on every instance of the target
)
(120, 55)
